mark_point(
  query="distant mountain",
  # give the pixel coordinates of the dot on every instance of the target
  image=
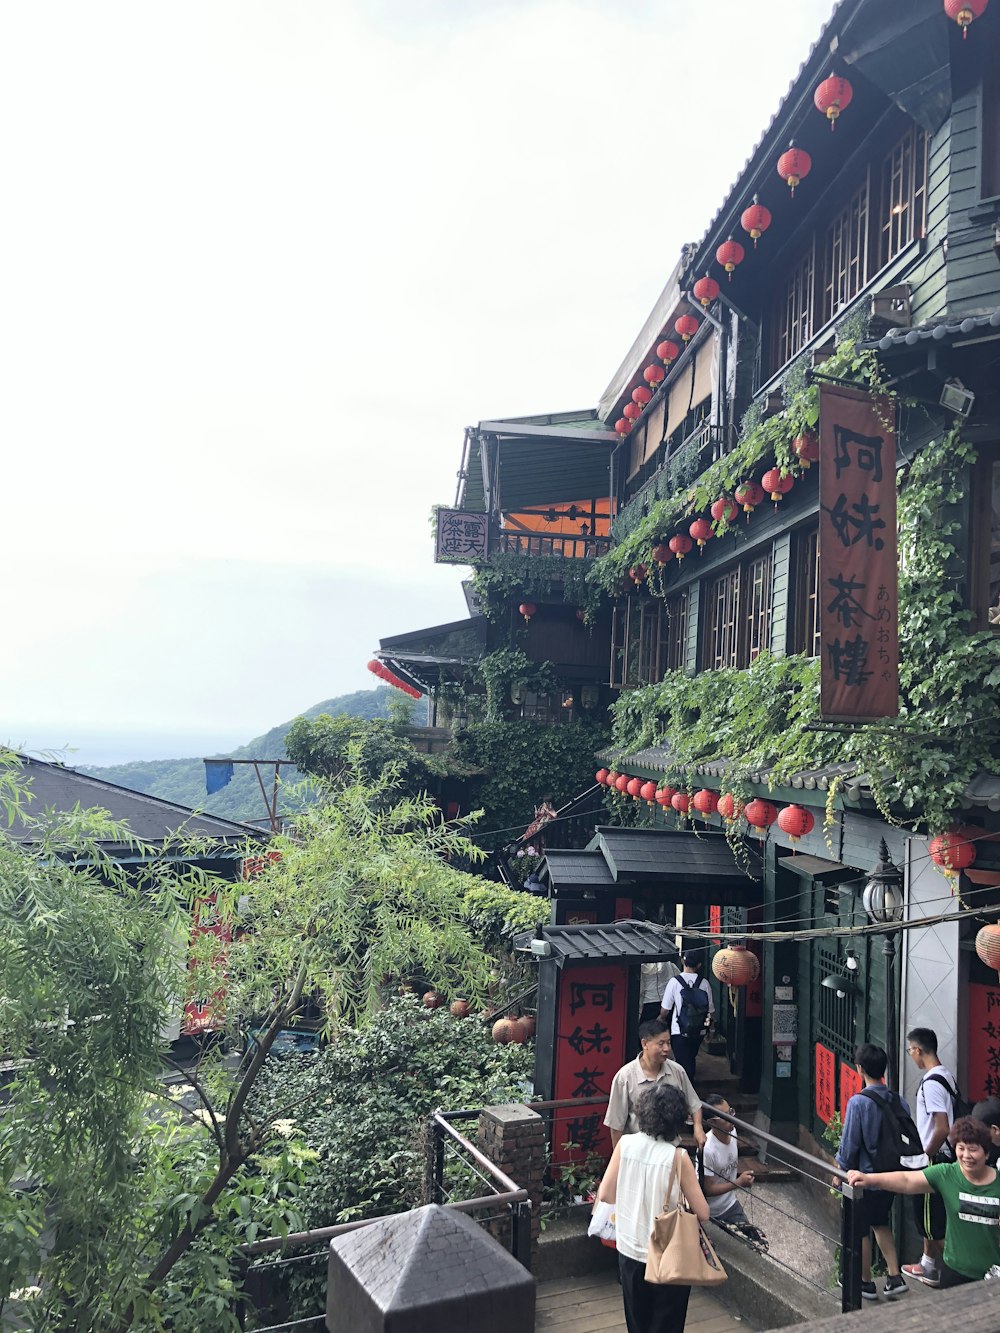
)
(183, 780)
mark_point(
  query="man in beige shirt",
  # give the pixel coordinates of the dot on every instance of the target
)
(653, 1065)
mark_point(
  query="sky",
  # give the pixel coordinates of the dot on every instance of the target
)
(262, 264)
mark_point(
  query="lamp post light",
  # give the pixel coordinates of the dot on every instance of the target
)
(883, 902)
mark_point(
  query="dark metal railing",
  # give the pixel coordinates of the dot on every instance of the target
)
(568, 545)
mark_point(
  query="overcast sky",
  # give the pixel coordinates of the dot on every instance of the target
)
(262, 264)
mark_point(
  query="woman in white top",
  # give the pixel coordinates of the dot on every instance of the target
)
(636, 1183)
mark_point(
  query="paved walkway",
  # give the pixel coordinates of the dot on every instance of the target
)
(594, 1305)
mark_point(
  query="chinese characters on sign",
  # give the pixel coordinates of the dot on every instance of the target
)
(826, 1081)
(850, 1083)
(984, 1042)
(715, 924)
(857, 556)
(589, 1051)
(203, 1012)
(461, 537)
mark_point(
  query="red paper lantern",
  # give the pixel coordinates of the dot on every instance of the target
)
(634, 787)
(954, 851)
(806, 449)
(796, 821)
(612, 778)
(647, 792)
(687, 326)
(661, 553)
(760, 815)
(729, 807)
(749, 495)
(663, 796)
(736, 966)
(965, 12)
(623, 426)
(632, 411)
(527, 609)
(638, 573)
(725, 509)
(667, 351)
(601, 776)
(988, 945)
(729, 254)
(833, 96)
(775, 484)
(375, 667)
(680, 545)
(756, 219)
(681, 802)
(621, 782)
(706, 289)
(641, 395)
(794, 165)
(706, 802)
(654, 375)
(702, 531)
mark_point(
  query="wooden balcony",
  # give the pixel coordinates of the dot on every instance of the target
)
(566, 545)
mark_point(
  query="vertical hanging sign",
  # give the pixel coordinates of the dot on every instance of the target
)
(858, 593)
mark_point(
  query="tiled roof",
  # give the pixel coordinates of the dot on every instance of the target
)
(634, 941)
(898, 339)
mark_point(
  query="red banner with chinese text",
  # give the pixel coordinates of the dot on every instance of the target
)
(850, 1083)
(204, 1012)
(826, 1083)
(715, 924)
(984, 1042)
(858, 584)
(591, 1012)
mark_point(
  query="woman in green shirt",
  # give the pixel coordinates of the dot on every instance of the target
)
(970, 1192)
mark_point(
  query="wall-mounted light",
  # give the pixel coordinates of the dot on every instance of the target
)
(957, 398)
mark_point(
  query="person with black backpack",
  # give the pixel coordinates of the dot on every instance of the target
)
(879, 1135)
(687, 1002)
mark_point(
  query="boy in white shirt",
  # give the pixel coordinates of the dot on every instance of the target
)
(722, 1175)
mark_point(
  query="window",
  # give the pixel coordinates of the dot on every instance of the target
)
(846, 252)
(834, 1016)
(738, 614)
(551, 709)
(985, 562)
(648, 639)
(990, 175)
(806, 621)
(903, 196)
(794, 323)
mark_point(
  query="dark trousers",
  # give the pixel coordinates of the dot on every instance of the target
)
(650, 1307)
(649, 1011)
(685, 1051)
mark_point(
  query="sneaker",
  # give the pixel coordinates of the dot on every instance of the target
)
(930, 1277)
(894, 1286)
(869, 1291)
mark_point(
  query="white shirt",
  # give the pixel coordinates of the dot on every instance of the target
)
(933, 1097)
(643, 1173)
(653, 979)
(675, 989)
(720, 1160)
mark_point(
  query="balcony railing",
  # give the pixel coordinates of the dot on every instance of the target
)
(674, 470)
(567, 545)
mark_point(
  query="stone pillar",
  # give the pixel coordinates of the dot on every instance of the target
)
(513, 1137)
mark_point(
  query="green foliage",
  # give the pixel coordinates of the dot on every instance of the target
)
(507, 580)
(526, 762)
(342, 748)
(497, 914)
(505, 668)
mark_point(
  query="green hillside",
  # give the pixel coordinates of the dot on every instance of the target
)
(183, 780)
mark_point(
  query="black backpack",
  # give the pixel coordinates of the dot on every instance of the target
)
(898, 1147)
(959, 1108)
(693, 1009)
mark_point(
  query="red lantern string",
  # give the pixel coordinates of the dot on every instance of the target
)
(729, 254)
(702, 531)
(794, 166)
(965, 12)
(724, 509)
(641, 395)
(756, 220)
(706, 289)
(667, 351)
(832, 97)
(680, 545)
(654, 375)
(687, 326)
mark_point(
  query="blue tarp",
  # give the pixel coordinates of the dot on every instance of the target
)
(218, 774)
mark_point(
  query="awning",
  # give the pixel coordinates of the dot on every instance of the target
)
(817, 868)
(584, 872)
(627, 941)
(696, 868)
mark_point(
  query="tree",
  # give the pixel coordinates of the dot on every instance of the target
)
(339, 748)
(148, 1196)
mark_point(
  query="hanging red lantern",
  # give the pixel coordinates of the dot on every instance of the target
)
(833, 96)
(612, 778)
(756, 219)
(621, 782)
(664, 796)
(729, 254)
(760, 815)
(668, 352)
(527, 609)
(988, 945)
(965, 12)
(794, 165)
(601, 776)
(647, 792)
(654, 375)
(634, 787)
(641, 395)
(623, 426)
(776, 485)
(632, 411)
(681, 802)
(661, 553)
(736, 966)
(729, 807)
(687, 326)
(638, 574)
(725, 509)
(702, 531)
(680, 545)
(749, 495)
(374, 666)
(796, 821)
(954, 851)
(806, 449)
(706, 289)
(706, 801)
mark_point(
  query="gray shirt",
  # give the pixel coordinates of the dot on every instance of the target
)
(630, 1082)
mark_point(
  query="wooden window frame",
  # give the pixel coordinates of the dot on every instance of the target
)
(806, 609)
(648, 639)
(739, 607)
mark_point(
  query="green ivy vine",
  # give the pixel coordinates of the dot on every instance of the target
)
(505, 580)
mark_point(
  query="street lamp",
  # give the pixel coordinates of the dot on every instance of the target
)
(883, 902)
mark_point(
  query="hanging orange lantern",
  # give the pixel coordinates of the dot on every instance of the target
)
(833, 96)
(681, 802)
(623, 426)
(736, 966)
(687, 326)
(760, 815)
(794, 165)
(527, 609)
(647, 793)
(654, 375)
(965, 12)
(725, 509)
(729, 807)
(729, 254)
(706, 289)
(756, 219)
(749, 495)
(796, 821)
(680, 545)
(776, 485)
(988, 945)
(706, 802)
(632, 410)
(806, 449)
(641, 395)
(954, 851)
(668, 352)
(702, 531)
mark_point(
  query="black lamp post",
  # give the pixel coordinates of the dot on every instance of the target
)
(883, 902)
